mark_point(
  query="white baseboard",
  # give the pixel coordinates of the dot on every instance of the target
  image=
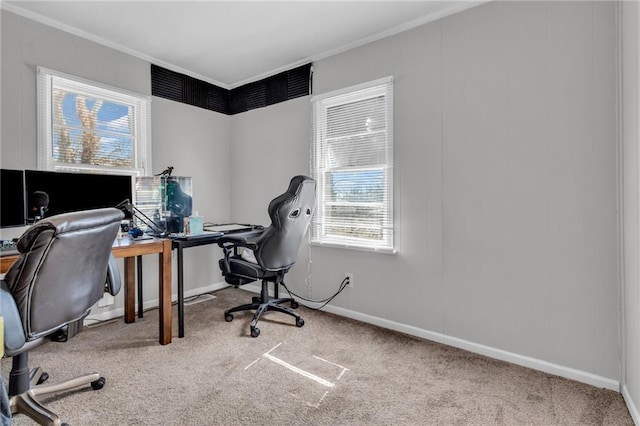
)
(633, 409)
(525, 361)
(150, 304)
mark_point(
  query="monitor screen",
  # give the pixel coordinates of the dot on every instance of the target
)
(12, 205)
(66, 192)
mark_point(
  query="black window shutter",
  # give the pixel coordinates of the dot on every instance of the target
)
(271, 90)
(218, 99)
(195, 92)
(166, 84)
(277, 88)
(299, 82)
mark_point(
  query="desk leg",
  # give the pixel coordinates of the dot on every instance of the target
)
(140, 301)
(129, 290)
(180, 294)
(165, 293)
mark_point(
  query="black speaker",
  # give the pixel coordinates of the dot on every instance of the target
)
(175, 224)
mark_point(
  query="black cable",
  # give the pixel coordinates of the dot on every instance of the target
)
(341, 287)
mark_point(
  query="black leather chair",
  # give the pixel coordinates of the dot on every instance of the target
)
(275, 251)
(64, 268)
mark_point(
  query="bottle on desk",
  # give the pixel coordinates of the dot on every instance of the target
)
(193, 225)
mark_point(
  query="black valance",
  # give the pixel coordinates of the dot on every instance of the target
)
(268, 91)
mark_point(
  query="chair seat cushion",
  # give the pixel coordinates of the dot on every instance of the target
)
(240, 266)
(241, 272)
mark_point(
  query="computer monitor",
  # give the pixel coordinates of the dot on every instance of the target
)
(67, 191)
(12, 202)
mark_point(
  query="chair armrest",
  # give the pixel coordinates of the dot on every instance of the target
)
(230, 245)
(114, 281)
(231, 241)
(13, 332)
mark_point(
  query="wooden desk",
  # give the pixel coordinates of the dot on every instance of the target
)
(129, 249)
(6, 261)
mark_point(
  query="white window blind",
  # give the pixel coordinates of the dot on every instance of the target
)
(91, 127)
(352, 162)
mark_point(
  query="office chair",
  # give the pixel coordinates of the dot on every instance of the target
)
(65, 266)
(275, 251)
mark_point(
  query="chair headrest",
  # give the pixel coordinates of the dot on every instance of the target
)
(290, 215)
(68, 222)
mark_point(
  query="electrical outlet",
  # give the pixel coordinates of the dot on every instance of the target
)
(349, 276)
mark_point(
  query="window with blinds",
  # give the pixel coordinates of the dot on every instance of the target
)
(90, 127)
(352, 162)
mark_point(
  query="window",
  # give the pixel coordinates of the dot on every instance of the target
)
(90, 127)
(352, 162)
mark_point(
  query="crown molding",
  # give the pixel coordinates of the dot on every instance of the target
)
(456, 7)
(11, 7)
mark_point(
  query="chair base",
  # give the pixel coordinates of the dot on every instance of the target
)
(26, 402)
(265, 303)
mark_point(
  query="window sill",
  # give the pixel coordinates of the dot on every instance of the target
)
(355, 247)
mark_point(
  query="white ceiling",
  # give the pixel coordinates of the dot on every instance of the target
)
(229, 43)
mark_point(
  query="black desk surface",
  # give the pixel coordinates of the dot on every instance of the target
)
(202, 240)
(212, 238)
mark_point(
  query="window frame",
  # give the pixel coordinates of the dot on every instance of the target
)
(320, 170)
(48, 80)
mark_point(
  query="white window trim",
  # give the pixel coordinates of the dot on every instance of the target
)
(351, 89)
(140, 102)
(338, 97)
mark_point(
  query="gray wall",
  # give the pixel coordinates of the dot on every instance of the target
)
(193, 140)
(505, 177)
(25, 46)
(529, 166)
(630, 23)
(270, 145)
(505, 184)
(196, 143)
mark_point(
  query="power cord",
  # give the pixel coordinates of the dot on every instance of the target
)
(342, 286)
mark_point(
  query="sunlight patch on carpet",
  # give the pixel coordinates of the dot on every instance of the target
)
(319, 373)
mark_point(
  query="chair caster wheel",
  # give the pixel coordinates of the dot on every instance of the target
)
(228, 317)
(43, 378)
(98, 384)
(294, 304)
(255, 331)
(299, 322)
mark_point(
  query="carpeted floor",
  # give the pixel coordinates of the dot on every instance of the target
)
(332, 371)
